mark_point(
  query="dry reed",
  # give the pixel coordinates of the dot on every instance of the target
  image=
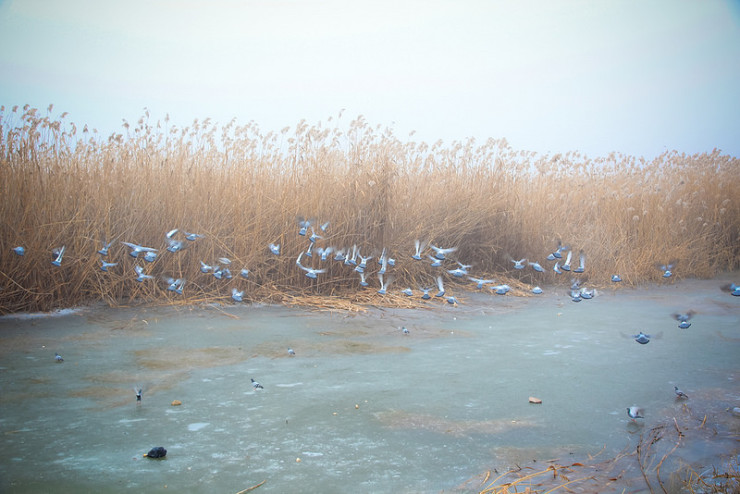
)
(243, 188)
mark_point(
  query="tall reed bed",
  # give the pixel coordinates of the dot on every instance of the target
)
(243, 188)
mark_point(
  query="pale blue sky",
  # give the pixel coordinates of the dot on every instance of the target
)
(637, 77)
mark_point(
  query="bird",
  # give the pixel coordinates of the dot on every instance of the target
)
(309, 251)
(275, 249)
(451, 300)
(158, 452)
(635, 413)
(192, 237)
(732, 289)
(314, 236)
(104, 250)
(441, 287)
(581, 263)
(384, 285)
(405, 330)
(435, 262)
(362, 266)
(237, 295)
(150, 256)
(171, 233)
(340, 256)
(420, 246)
(137, 249)
(291, 352)
(324, 252)
(575, 296)
(204, 268)
(500, 289)
(537, 290)
(244, 273)
(587, 294)
(679, 393)
(480, 282)
(142, 276)
(58, 358)
(461, 270)
(557, 253)
(224, 260)
(667, 268)
(518, 264)
(59, 253)
(304, 224)
(616, 278)
(425, 293)
(566, 264)
(363, 279)
(683, 319)
(408, 292)
(256, 385)
(20, 250)
(174, 285)
(175, 245)
(536, 266)
(105, 265)
(556, 268)
(642, 338)
(138, 392)
(310, 272)
(440, 253)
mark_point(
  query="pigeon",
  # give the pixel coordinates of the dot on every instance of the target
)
(452, 300)
(138, 392)
(105, 265)
(137, 249)
(104, 250)
(150, 256)
(435, 262)
(142, 276)
(420, 246)
(566, 264)
(224, 260)
(175, 245)
(461, 270)
(679, 393)
(557, 253)
(309, 251)
(20, 250)
(425, 293)
(500, 289)
(236, 295)
(667, 268)
(732, 289)
(536, 266)
(537, 290)
(175, 285)
(616, 278)
(291, 352)
(439, 252)
(310, 272)
(59, 253)
(408, 292)
(275, 249)
(363, 279)
(479, 282)
(635, 413)
(642, 338)
(324, 252)
(683, 319)
(384, 285)
(192, 237)
(441, 287)
(58, 358)
(314, 236)
(204, 268)
(519, 264)
(405, 330)
(304, 224)
(556, 268)
(581, 263)
(244, 273)
(340, 256)
(256, 385)
(158, 452)
(171, 233)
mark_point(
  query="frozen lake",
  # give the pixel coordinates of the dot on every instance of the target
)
(361, 407)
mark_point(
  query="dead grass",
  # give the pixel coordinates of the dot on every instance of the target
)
(243, 188)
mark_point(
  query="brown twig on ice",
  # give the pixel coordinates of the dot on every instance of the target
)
(252, 488)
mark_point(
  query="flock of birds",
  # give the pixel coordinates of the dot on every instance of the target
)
(438, 257)
(353, 257)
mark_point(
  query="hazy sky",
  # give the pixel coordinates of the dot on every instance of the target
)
(550, 76)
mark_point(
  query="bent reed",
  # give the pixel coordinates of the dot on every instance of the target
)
(243, 188)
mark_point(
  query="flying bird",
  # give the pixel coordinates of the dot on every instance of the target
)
(419, 246)
(479, 282)
(732, 289)
(667, 268)
(104, 250)
(59, 253)
(105, 265)
(237, 295)
(310, 272)
(440, 253)
(683, 319)
(137, 249)
(275, 249)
